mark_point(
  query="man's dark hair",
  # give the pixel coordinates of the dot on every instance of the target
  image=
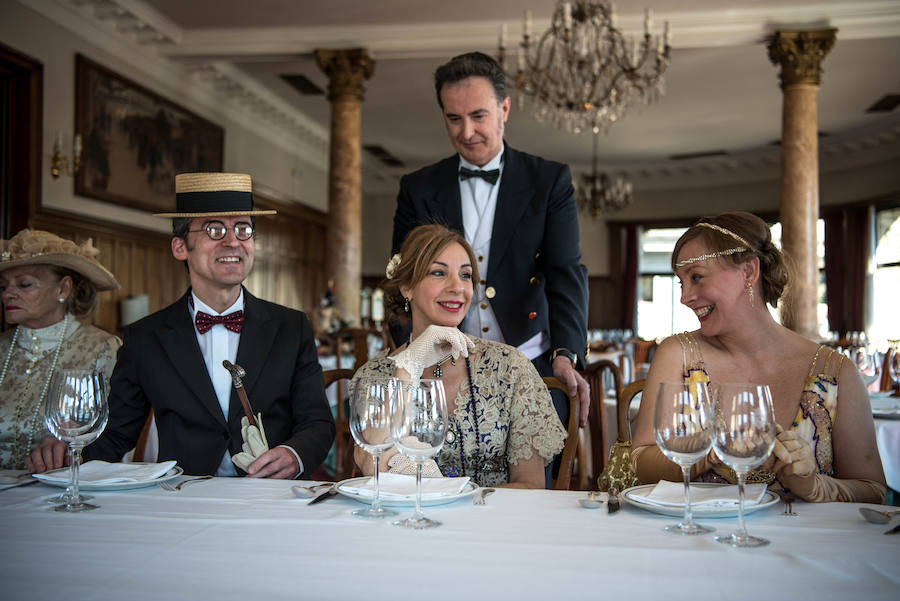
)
(471, 64)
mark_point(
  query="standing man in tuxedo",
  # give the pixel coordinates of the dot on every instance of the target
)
(171, 361)
(518, 212)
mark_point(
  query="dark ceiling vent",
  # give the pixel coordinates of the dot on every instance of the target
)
(886, 104)
(383, 155)
(303, 85)
(698, 155)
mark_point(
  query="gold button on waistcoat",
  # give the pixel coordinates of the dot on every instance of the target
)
(490, 292)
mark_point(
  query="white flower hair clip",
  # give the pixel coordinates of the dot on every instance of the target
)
(392, 265)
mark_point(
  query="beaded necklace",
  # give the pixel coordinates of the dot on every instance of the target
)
(470, 408)
(31, 423)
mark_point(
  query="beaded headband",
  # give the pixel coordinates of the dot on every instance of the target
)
(720, 253)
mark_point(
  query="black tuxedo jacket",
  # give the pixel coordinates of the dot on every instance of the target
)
(535, 260)
(160, 366)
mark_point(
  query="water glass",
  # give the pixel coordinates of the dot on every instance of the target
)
(370, 426)
(76, 412)
(743, 429)
(418, 427)
(682, 429)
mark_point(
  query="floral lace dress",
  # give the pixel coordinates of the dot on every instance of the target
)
(28, 366)
(815, 416)
(508, 406)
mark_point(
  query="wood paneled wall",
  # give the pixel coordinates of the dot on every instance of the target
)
(288, 269)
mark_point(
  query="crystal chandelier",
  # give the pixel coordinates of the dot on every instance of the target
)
(598, 193)
(583, 73)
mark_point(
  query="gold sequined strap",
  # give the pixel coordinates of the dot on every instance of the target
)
(836, 360)
(691, 356)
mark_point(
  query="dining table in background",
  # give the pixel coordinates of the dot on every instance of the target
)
(238, 539)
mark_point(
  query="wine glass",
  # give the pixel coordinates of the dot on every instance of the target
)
(370, 426)
(76, 412)
(743, 429)
(682, 429)
(418, 426)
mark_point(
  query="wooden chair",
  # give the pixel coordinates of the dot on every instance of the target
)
(887, 383)
(567, 463)
(593, 373)
(618, 472)
(343, 442)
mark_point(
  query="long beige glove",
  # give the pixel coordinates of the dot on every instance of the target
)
(432, 345)
(795, 468)
(255, 443)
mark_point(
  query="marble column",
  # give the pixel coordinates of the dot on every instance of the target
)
(346, 70)
(800, 55)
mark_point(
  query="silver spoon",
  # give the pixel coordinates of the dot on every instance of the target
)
(877, 517)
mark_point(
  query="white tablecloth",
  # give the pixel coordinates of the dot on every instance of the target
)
(243, 539)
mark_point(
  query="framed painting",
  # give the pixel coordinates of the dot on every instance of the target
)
(134, 141)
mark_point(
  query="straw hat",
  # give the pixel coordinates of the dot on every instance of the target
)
(36, 247)
(213, 195)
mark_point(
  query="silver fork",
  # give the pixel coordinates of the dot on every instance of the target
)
(788, 500)
(480, 494)
(176, 487)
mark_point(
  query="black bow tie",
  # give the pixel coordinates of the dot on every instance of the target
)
(488, 176)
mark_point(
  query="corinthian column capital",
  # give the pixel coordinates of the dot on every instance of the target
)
(346, 71)
(800, 54)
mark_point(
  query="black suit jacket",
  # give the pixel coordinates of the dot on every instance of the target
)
(535, 235)
(160, 366)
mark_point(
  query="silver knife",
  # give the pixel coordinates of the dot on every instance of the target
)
(324, 494)
(612, 505)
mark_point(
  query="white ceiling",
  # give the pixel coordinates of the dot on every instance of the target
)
(722, 92)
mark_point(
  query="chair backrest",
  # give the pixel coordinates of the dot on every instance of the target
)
(594, 374)
(887, 383)
(343, 442)
(623, 404)
(147, 446)
(567, 462)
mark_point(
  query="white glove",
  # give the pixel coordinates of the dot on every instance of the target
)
(401, 464)
(431, 346)
(255, 443)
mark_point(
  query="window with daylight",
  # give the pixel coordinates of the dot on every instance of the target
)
(885, 324)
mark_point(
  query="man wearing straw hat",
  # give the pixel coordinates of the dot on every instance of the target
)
(172, 360)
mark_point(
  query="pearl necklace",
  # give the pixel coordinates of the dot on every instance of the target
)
(17, 450)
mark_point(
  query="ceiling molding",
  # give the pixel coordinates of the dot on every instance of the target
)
(135, 33)
(855, 20)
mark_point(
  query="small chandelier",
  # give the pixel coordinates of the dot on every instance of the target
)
(598, 193)
(583, 73)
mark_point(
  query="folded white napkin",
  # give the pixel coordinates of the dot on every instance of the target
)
(102, 472)
(671, 494)
(399, 486)
(883, 403)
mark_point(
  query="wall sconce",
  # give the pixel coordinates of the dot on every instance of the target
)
(59, 163)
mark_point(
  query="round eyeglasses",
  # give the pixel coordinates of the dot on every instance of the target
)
(216, 230)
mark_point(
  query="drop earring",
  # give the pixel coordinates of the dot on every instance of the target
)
(750, 293)
(405, 305)
(60, 300)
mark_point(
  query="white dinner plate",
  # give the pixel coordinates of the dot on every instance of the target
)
(885, 406)
(769, 499)
(402, 501)
(172, 473)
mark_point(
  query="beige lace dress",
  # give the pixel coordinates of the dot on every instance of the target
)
(27, 373)
(509, 408)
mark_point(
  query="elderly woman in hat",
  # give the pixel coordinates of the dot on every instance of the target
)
(730, 271)
(47, 284)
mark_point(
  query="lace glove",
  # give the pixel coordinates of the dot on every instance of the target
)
(255, 443)
(795, 467)
(401, 464)
(431, 346)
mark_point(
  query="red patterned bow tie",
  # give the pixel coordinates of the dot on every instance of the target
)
(232, 321)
